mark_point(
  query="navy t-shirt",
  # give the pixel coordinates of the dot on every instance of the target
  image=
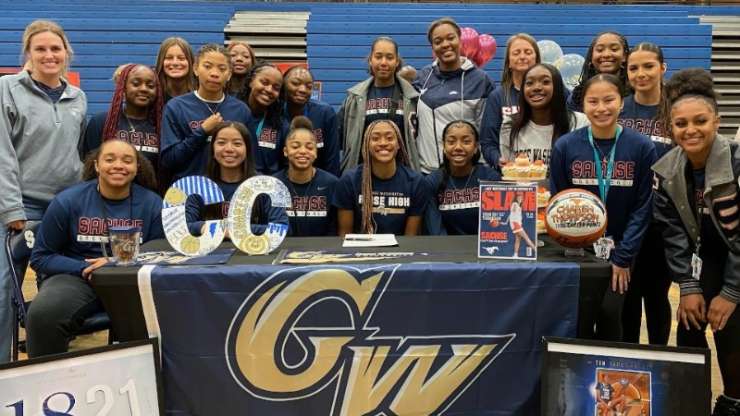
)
(54, 94)
(267, 143)
(77, 221)
(394, 199)
(456, 209)
(311, 212)
(140, 133)
(262, 212)
(641, 118)
(381, 106)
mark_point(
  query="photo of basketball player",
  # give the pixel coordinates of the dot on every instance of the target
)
(622, 393)
(515, 222)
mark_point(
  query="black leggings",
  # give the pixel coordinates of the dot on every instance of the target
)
(650, 282)
(57, 313)
(727, 340)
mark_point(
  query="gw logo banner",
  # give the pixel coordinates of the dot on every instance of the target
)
(304, 330)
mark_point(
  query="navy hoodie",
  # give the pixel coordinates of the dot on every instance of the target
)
(184, 142)
(324, 121)
(268, 147)
(493, 115)
(77, 222)
(144, 137)
(641, 118)
(311, 212)
(628, 202)
(445, 97)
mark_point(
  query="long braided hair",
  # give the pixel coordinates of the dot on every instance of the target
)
(368, 223)
(275, 110)
(154, 113)
(588, 70)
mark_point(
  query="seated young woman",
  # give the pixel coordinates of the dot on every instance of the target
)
(455, 184)
(311, 188)
(118, 191)
(229, 164)
(382, 195)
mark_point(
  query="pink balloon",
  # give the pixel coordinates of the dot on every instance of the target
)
(486, 50)
(468, 42)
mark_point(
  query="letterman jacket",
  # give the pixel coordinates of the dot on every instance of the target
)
(674, 213)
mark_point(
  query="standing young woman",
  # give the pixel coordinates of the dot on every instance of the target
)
(68, 243)
(242, 61)
(696, 203)
(522, 53)
(382, 195)
(452, 88)
(189, 120)
(542, 117)
(606, 55)
(41, 122)
(384, 95)
(614, 163)
(135, 114)
(650, 280)
(311, 188)
(265, 122)
(296, 93)
(456, 183)
(174, 67)
(230, 164)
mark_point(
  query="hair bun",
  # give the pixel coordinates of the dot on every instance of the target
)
(692, 81)
(301, 122)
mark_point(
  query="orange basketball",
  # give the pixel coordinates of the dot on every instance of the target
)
(575, 218)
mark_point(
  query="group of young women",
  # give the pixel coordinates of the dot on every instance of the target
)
(411, 162)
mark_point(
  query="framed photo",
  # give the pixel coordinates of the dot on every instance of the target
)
(115, 380)
(585, 377)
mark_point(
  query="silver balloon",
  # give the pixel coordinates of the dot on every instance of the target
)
(549, 51)
(570, 66)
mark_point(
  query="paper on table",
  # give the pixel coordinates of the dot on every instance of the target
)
(369, 240)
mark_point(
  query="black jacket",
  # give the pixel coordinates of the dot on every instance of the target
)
(672, 210)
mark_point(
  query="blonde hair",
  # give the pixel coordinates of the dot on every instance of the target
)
(41, 26)
(507, 78)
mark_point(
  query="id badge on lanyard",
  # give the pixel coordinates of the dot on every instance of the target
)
(604, 245)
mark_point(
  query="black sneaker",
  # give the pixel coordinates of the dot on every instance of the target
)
(726, 407)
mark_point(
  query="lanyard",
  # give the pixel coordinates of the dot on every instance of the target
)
(259, 127)
(604, 180)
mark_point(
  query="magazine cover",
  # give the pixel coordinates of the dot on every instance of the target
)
(598, 378)
(508, 220)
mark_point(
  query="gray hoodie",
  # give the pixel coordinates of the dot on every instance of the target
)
(38, 143)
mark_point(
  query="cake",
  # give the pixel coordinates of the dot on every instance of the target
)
(522, 169)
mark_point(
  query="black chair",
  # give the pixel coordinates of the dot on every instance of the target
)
(18, 246)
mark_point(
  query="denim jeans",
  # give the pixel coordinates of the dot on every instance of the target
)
(34, 211)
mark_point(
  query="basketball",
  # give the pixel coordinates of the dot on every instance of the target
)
(575, 218)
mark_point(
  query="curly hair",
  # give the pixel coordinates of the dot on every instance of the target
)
(145, 175)
(690, 83)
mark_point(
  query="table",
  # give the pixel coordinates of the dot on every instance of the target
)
(398, 336)
(597, 307)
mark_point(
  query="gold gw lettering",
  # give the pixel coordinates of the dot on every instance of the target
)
(421, 392)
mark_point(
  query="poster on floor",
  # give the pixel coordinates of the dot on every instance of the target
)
(508, 220)
(583, 377)
(116, 380)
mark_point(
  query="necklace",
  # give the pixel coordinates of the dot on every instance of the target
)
(208, 103)
(470, 175)
(131, 125)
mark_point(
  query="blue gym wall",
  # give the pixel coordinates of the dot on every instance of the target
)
(107, 34)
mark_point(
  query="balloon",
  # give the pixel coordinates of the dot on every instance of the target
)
(468, 42)
(549, 51)
(570, 66)
(486, 50)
